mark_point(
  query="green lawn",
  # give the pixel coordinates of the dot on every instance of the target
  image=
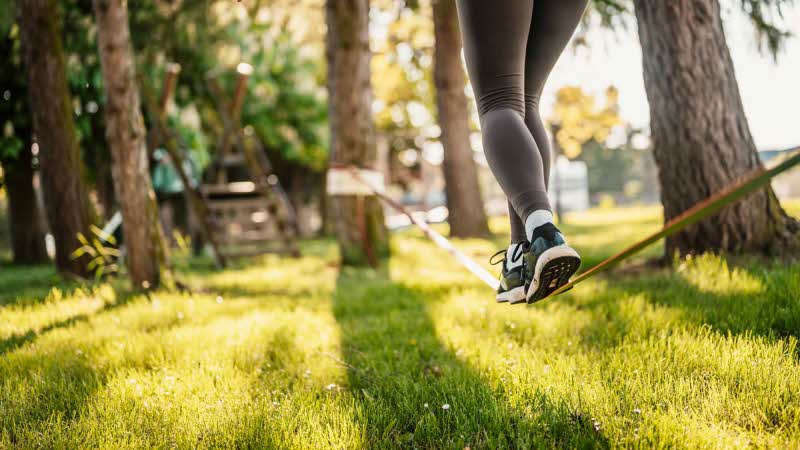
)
(281, 352)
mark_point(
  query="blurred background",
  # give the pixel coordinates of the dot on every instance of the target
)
(595, 105)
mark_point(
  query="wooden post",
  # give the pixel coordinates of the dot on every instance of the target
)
(244, 70)
(234, 111)
(170, 81)
(167, 139)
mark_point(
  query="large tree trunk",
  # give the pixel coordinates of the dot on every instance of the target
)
(701, 140)
(464, 202)
(360, 226)
(126, 137)
(25, 222)
(62, 173)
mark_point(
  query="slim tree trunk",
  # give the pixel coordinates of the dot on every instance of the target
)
(360, 226)
(464, 202)
(126, 138)
(62, 173)
(25, 224)
(701, 139)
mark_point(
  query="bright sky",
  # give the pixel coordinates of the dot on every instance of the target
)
(770, 91)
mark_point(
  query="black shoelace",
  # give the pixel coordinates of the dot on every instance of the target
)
(519, 250)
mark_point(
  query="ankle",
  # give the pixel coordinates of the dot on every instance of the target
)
(537, 219)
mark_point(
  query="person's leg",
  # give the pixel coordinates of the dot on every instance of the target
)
(553, 262)
(517, 227)
(495, 37)
(552, 26)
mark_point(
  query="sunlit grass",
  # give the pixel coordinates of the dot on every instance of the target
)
(296, 353)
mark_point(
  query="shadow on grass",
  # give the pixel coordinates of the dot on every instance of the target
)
(13, 342)
(27, 285)
(401, 376)
(44, 388)
(768, 306)
(771, 310)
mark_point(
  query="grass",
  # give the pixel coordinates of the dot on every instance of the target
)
(296, 353)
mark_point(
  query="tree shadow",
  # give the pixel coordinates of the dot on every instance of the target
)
(27, 285)
(16, 341)
(410, 390)
(770, 307)
(55, 386)
(766, 303)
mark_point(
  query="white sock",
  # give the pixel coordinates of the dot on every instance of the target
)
(537, 219)
(509, 253)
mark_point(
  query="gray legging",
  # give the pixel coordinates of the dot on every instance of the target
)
(510, 47)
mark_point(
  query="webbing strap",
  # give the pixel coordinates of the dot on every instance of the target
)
(433, 235)
(696, 213)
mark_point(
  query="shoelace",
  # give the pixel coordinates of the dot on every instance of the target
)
(515, 256)
(493, 262)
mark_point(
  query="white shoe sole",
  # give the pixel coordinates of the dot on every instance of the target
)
(512, 296)
(553, 269)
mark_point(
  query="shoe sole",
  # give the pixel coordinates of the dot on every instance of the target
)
(512, 296)
(553, 269)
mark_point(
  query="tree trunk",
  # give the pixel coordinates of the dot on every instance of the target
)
(464, 202)
(701, 139)
(360, 226)
(25, 224)
(104, 181)
(126, 137)
(62, 173)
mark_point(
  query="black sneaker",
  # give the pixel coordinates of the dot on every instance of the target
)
(549, 264)
(512, 282)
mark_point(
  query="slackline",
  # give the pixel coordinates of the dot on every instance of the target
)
(696, 213)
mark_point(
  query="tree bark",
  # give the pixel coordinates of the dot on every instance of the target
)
(464, 201)
(126, 137)
(360, 226)
(25, 222)
(62, 173)
(701, 139)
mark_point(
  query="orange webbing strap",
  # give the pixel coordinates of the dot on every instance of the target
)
(696, 213)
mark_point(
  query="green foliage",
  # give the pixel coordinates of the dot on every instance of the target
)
(402, 76)
(285, 103)
(623, 172)
(7, 14)
(85, 80)
(103, 259)
(284, 106)
(15, 121)
(193, 139)
(766, 17)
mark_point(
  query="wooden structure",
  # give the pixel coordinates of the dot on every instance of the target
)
(163, 136)
(248, 210)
